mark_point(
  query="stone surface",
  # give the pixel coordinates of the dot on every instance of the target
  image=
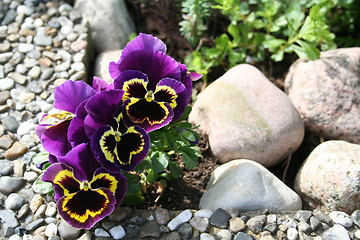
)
(17, 149)
(112, 14)
(326, 93)
(246, 116)
(246, 185)
(220, 218)
(10, 184)
(329, 176)
(102, 61)
(180, 219)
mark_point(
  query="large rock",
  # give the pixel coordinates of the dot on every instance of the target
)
(247, 186)
(326, 93)
(246, 116)
(102, 64)
(329, 179)
(109, 21)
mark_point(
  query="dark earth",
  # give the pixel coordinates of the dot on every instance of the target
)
(161, 19)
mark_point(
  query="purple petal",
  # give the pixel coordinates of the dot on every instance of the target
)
(85, 208)
(70, 94)
(121, 186)
(101, 85)
(156, 65)
(54, 139)
(102, 106)
(114, 70)
(76, 132)
(143, 42)
(82, 161)
(123, 153)
(61, 176)
(126, 76)
(148, 115)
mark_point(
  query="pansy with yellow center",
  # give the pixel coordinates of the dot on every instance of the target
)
(53, 128)
(85, 192)
(161, 96)
(119, 146)
(147, 105)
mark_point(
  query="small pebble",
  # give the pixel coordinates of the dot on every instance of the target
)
(183, 217)
(341, 218)
(117, 232)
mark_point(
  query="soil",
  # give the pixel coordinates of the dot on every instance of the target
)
(161, 18)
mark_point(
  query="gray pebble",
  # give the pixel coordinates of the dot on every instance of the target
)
(355, 217)
(47, 73)
(10, 184)
(224, 234)
(42, 40)
(162, 216)
(9, 17)
(186, 230)
(256, 223)
(35, 87)
(25, 47)
(337, 232)
(10, 123)
(17, 77)
(199, 223)
(180, 219)
(66, 231)
(4, 95)
(23, 211)
(9, 222)
(6, 142)
(220, 218)
(6, 167)
(14, 201)
(243, 236)
(35, 224)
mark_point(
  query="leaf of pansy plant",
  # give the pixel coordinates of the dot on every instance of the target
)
(189, 157)
(174, 169)
(159, 161)
(40, 158)
(40, 186)
(151, 176)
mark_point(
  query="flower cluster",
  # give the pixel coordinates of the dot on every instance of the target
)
(102, 130)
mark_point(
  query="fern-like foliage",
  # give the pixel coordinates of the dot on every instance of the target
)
(195, 16)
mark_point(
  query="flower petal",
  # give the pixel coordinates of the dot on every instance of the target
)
(82, 161)
(149, 115)
(101, 85)
(101, 109)
(62, 178)
(124, 151)
(132, 82)
(156, 65)
(86, 207)
(54, 139)
(70, 94)
(114, 181)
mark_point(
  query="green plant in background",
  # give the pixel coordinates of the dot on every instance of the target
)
(257, 29)
(195, 14)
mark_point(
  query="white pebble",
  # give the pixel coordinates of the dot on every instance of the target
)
(25, 128)
(292, 233)
(30, 176)
(117, 232)
(51, 230)
(206, 236)
(183, 217)
(205, 213)
(6, 84)
(341, 218)
(15, 237)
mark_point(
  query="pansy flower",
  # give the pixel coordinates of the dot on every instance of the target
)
(119, 146)
(85, 192)
(162, 76)
(53, 128)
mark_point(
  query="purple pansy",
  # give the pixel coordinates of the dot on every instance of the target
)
(157, 87)
(85, 192)
(53, 128)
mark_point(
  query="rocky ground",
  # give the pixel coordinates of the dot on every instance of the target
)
(41, 46)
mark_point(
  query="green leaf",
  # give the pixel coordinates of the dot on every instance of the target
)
(133, 183)
(273, 44)
(151, 177)
(40, 186)
(310, 50)
(159, 161)
(278, 56)
(189, 135)
(40, 157)
(174, 169)
(133, 199)
(189, 157)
